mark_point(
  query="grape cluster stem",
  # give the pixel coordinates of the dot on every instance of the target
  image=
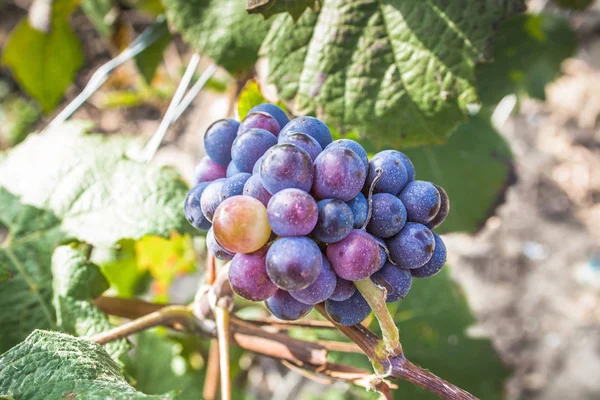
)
(261, 338)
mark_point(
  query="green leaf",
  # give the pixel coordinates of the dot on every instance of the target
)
(148, 60)
(51, 365)
(5, 273)
(528, 54)
(573, 4)
(221, 29)
(433, 321)
(269, 8)
(17, 117)
(401, 72)
(51, 64)
(76, 283)
(474, 167)
(98, 12)
(100, 195)
(173, 372)
(249, 97)
(119, 265)
(33, 235)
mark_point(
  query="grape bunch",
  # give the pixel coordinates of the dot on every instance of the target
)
(301, 217)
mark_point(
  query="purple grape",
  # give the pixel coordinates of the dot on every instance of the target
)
(286, 166)
(254, 188)
(339, 174)
(293, 263)
(382, 252)
(292, 212)
(343, 290)
(305, 142)
(192, 208)
(207, 170)
(259, 120)
(232, 170)
(218, 140)
(388, 215)
(283, 306)
(412, 247)
(355, 147)
(256, 168)
(422, 201)
(355, 257)
(348, 312)
(444, 209)
(273, 110)
(396, 281)
(335, 221)
(311, 126)
(234, 186)
(394, 176)
(435, 263)
(211, 198)
(410, 168)
(249, 147)
(248, 276)
(360, 209)
(215, 248)
(321, 289)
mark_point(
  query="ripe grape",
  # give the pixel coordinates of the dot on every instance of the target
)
(412, 247)
(211, 198)
(422, 201)
(293, 263)
(395, 280)
(215, 248)
(273, 110)
(292, 212)
(248, 148)
(218, 140)
(355, 147)
(232, 170)
(248, 277)
(394, 175)
(234, 186)
(444, 209)
(286, 166)
(435, 263)
(334, 222)
(382, 247)
(254, 188)
(343, 290)
(240, 224)
(305, 142)
(283, 306)
(356, 256)
(348, 312)
(259, 120)
(256, 168)
(310, 126)
(207, 170)
(388, 215)
(360, 209)
(339, 174)
(321, 289)
(410, 168)
(192, 208)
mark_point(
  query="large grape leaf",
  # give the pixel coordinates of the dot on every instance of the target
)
(474, 167)
(100, 195)
(53, 56)
(269, 8)
(401, 72)
(52, 365)
(221, 29)
(528, 53)
(76, 283)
